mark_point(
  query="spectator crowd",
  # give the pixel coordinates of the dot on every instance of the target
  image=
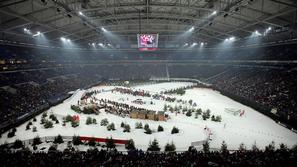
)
(192, 157)
(272, 88)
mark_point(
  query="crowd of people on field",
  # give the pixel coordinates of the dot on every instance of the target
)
(143, 93)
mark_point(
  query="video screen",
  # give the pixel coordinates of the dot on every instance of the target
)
(147, 42)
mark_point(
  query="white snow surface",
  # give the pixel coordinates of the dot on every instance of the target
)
(253, 127)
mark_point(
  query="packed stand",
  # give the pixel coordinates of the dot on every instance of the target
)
(274, 88)
(192, 157)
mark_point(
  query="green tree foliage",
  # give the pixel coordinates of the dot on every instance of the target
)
(138, 125)
(174, 130)
(110, 127)
(206, 147)
(36, 141)
(17, 144)
(224, 148)
(104, 122)
(170, 147)
(154, 146)
(130, 145)
(89, 121)
(127, 128)
(160, 128)
(58, 140)
(110, 143)
(76, 140)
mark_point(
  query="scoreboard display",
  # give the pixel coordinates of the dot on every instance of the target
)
(147, 42)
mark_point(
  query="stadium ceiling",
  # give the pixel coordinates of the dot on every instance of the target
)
(81, 20)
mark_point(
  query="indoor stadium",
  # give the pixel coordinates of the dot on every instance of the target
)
(148, 83)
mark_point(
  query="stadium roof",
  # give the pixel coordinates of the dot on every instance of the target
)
(82, 20)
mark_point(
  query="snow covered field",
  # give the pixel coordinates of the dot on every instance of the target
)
(252, 127)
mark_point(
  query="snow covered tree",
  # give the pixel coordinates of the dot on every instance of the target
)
(130, 145)
(138, 125)
(111, 127)
(242, 147)
(68, 118)
(147, 130)
(17, 144)
(283, 147)
(224, 148)
(196, 115)
(127, 128)
(122, 124)
(146, 126)
(160, 128)
(42, 121)
(204, 116)
(110, 143)
(254, 147)
(53, 117)
(104, 122)
(52, 148)
(154, 146)
(174, 130)
(48, 124)
(218, 118)
(28, 127)
(189, 113)
(199, 111)
(34, 129)
(58, 140)
(190, 101)
(171, 109)
(270, 147)
(170, 147)
(213, 118)
(76, 140)
(11, 134)
(94, 121)
(44, 114)
(92, 142)
(89, 121)
(206, 147)
(36, 141)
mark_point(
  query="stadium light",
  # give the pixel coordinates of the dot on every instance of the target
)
(256, 33)
(37, 34)
(103, 29)
(27, 31)
(68, 40)
(267, 31)
(230, 39)
(214, 13)
(202, 43)
(194, 44)
(80, 13)
(63, 39)
(191, 29)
